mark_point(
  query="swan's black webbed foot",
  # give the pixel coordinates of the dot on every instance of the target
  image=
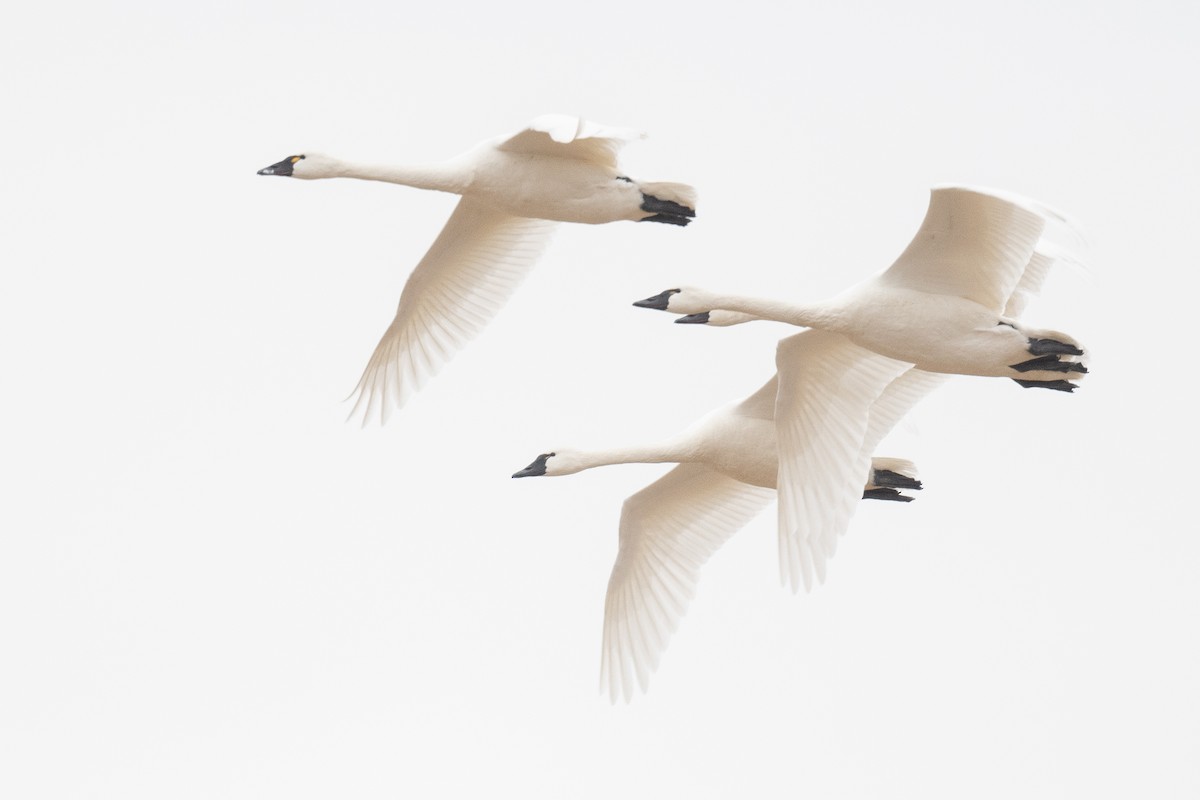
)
(1049, 363)
(1058, 386)
(886, 494)
(666, 211)
(1042, 347)
(885, 477)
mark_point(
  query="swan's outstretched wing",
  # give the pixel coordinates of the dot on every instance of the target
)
(896, 401)
(570, 137)
(1030, 285)
(668, 530)
(827, 386)
(974, 243)
(473, 267)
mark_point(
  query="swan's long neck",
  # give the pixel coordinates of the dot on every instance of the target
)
(812, 315)
(657, 453)
(444, 177)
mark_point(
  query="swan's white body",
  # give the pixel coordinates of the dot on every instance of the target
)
(727, 468)
(514, 188)
(940, 306)
(887, 335)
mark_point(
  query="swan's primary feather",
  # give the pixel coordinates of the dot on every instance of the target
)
(971, 244)
(827, 385)
(468, 274)
(668, 531)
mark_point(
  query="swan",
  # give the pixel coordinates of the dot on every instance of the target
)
(514, 188)
(940, 306)
(827, 396)
(727, 467)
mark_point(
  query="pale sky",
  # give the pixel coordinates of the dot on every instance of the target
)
(211, 585)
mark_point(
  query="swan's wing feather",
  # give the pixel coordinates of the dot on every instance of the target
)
(469, 272)
(668, 531)
(896, 401)
(973, 243)
(1031, 283)
(827, 386)
(761, 404)
(570, 137)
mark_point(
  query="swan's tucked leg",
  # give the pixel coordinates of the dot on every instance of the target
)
(884, 493)
(1041, 347)
(667, 211)
(893, 480)
(1049, 363)
(1058, 386)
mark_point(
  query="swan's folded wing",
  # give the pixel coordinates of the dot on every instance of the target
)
(1030, 285)
(473, 267)
(668, 530)
(974, 243)
(570, 137)
(827, 386)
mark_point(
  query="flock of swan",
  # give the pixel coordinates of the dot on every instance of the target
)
(949, 305)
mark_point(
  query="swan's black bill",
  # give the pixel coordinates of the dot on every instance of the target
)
(694, 319)
(658, 302)
(538, 467)
(282, 168)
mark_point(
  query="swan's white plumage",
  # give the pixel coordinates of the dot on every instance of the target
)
(972, 244)
(466, 277)
(820, 476)
(556, 169)
(668, 530)
(562, 136)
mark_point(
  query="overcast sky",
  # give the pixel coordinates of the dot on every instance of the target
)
(212, 586)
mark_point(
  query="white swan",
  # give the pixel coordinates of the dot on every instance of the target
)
(668, 530)
(940, 306)
(558, 169)
(827, 393)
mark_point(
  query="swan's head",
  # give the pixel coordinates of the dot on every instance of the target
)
(306, 165)
(685, 300)
(718, 318)
(560, 462)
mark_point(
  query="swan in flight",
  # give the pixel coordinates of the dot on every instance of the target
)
(726, 471)
(514, 188)
(828, 389)
(940, 306)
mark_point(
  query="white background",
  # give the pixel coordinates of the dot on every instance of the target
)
(211, 586)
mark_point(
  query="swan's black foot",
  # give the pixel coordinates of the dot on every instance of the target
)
(1058, 386)
(1042, 347)
(667, 211)
(1049, 364)
(885, 477)
(886, 494)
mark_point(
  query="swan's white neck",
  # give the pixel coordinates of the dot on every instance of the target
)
(444, 177)
(819, 315)
(657, 453)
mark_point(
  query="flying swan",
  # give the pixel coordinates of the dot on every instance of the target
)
(726, 471)
(558, 169)
(947, 306)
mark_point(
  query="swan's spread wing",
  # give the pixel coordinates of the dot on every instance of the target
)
(1030, 285)
(473, 267)
(761, 404)
(896, 401)
(668, 530)
(973, 244)
(570, 137)
(827, 386)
